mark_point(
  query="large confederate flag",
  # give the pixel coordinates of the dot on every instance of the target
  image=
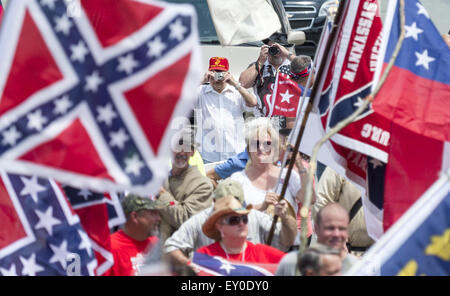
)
(87, 93)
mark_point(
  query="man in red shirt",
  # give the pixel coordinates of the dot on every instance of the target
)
(137, 236)
(227, 225)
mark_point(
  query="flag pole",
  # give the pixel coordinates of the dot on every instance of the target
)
(309, 107)
(367, 100)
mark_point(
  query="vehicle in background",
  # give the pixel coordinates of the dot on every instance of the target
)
(308, 16)
(239, 56)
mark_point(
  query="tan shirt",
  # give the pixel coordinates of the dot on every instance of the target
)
(187, 195)
(332, 187)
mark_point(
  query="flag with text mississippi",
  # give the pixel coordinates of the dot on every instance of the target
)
(40, 234)
(88, 89)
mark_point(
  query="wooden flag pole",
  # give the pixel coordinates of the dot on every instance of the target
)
(306, 116)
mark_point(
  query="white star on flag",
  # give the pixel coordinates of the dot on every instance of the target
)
(286, 97)
(413, 31)
(9, 272)
(133, 165)
(358, 103)
(227, 267)
(93, 81)
(155, 47)
(84, 193)
(422, 10)
(85, 242)
(46, 220)
(118, 138)
(36, 120)
(376, 163)
(49, 3)
(31, 187)
(106, 114)
(423, 59)
(177, 30)
(59, 254)
(11, 136)
(62, 105)
(63, 24)
(127, 64)
(79, 51)
(29, 266)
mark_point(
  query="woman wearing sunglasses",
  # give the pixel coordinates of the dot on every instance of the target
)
(259, 179)
(227, 225)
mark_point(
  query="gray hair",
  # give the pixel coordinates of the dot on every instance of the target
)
(300, 63)
(310, 260)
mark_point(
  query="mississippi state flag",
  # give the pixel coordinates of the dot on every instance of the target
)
(285, 97)
(87, 93)
(416, 93)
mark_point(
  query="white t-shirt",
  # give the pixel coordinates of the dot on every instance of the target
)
(254, 195)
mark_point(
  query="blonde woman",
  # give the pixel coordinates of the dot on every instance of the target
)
(261, 174)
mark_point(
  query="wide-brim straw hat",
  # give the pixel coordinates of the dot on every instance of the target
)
(224, 206)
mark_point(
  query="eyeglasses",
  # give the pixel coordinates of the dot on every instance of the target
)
(235, 220)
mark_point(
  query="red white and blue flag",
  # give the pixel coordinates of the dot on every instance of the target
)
(416, 98)
(98, 213)
(416, 93)
(285, 98)
(347, 79)
(418, 243)
(206, 265)
(87, 94)
(40, 232)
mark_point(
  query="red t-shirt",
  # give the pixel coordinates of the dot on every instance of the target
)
(127, 253)
(258, 253)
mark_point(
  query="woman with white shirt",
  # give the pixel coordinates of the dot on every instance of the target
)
(261, 174)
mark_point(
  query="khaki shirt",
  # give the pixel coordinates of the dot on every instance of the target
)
(187, 195)
(332, 187)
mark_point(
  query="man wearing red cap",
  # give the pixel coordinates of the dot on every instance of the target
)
(221, 102)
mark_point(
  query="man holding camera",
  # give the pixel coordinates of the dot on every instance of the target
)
(261, 75)
(221, 102)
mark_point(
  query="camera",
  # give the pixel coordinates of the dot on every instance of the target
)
(218, 76)
(273, 50)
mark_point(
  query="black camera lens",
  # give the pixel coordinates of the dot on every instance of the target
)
(273, 50)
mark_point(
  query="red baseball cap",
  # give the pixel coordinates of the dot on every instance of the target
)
(218, 63)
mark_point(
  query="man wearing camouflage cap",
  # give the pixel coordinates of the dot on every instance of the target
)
(189, 237)
(138, 235)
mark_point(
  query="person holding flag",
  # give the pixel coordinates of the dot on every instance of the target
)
(227, 225)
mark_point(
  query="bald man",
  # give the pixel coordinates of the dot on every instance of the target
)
(332, 230)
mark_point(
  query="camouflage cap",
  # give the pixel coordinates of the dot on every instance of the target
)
(229, 187)
(134, 203)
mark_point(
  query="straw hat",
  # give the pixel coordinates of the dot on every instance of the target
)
(224, 206)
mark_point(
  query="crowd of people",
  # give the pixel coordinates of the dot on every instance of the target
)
(228, 210)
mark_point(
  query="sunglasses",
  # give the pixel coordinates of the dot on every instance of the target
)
(257, 143)
(235, 220)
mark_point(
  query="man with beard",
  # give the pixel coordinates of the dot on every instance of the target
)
(137, 237)
(186, 191)
(261, 75)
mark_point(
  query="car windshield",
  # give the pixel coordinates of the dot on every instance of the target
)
(206, 29)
